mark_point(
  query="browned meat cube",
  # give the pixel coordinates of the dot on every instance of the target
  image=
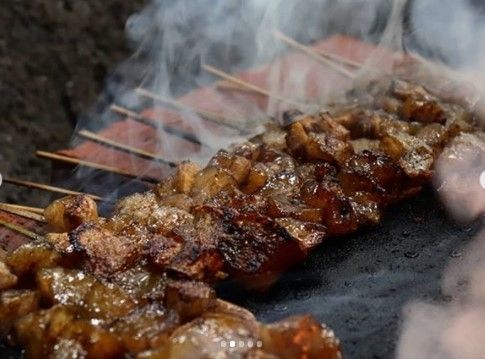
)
(389, 104)
(296, 139)
(282, 208)
(321, 194)
(307, 235)
(59, 241)
(199, 258)
(106, 253)
(424, 111)
(255, 249)
(7, 279)
(14, 304)
(30, 257)
(330, 126)
(41, 332)
(374, 173)
(322, 147)
(180, 201)
(403, 90)
(366, 207)
(38, 332)
(65, 214)
(87, 296)
(417, 164)
(184, 177)
(188, 298)
(237, 166)
(180, 182)
(256, 179)
(300, 337)
(140, 284)
(210, 181)
(67, 349)
(433, 135)
(162, 250)
(97, 341)
(146, 328)
(214, 335)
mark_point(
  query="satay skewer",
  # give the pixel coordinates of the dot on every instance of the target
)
(20, 229)
(23, 208)
(208, 115)
(22, 213)
(337, 58)
(98, 166)
(312, 53)
(125, 148)
(249, 86)
(157, 124)
(48, 188)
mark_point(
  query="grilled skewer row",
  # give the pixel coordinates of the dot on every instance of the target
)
(139, 282)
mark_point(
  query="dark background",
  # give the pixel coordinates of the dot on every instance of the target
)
(54, 57)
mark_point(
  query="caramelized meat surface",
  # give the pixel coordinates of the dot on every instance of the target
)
(139, 283)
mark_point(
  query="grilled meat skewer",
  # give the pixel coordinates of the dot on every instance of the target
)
(139, 283)
(261, 206)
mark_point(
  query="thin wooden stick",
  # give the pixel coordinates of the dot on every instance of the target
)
(24, 208)
(21, 230)
(98, 166)
(338, 58)
(312, 53)
(21, 213)
(121, 146)
(208, 115)
(228, 77)
(232, 86)
(49, 188)
(157, 124)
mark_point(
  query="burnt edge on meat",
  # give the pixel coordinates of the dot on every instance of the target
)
(139, 283)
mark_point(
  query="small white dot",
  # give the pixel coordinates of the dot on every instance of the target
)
(482, 180)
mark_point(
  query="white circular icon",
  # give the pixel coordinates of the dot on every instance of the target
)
(482, 180)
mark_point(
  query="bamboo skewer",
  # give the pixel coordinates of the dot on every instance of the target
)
(208, 115)
(23, 208)
(66, 159)
(338, 58)
(232, 86)
(244, 84)
(157, 124)
(312, 53)
(121, 146)
(21, 230)
(49, 188)
(21, 213)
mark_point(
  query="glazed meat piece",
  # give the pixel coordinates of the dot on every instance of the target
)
(84, 316)
(41, 332)
(300, 337)
(15, 304)
(7, 279)
(65, 214)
